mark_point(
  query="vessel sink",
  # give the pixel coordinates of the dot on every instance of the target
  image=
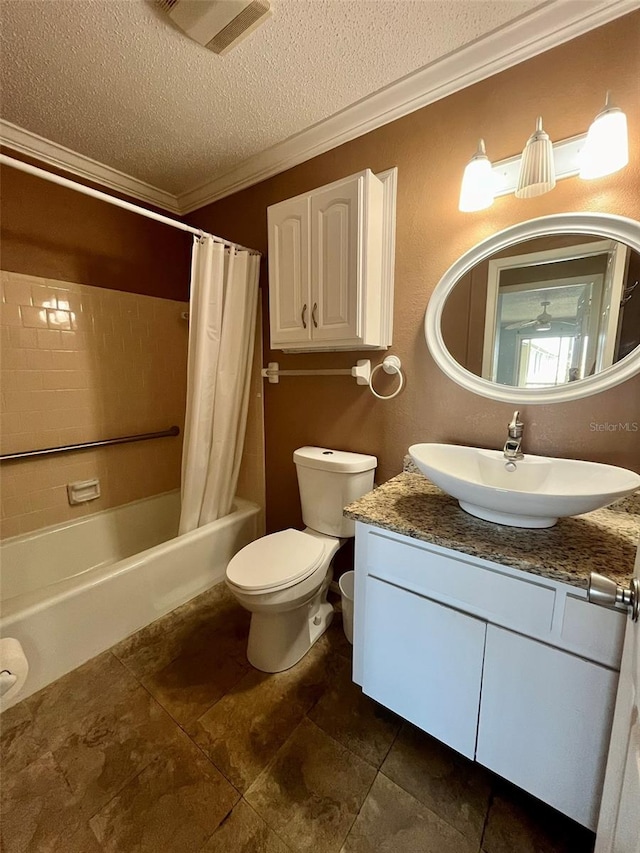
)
(538, 491)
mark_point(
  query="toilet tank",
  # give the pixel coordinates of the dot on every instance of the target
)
(329, 480)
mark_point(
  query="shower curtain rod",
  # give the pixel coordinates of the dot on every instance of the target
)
(126, 205)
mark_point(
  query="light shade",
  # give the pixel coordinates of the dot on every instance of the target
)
(606, 149)
(478, 182)
(537, 171)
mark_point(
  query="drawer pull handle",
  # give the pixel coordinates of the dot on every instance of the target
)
(304, 316)
(314, 314)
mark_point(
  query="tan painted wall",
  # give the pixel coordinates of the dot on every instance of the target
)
(430, 148)
(53, 232)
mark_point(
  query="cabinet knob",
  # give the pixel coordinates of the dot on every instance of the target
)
(304, 316)
(314, 314)
(607, 593)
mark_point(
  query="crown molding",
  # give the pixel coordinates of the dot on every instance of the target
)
(555, 23)
(544, 28)
(60, 157)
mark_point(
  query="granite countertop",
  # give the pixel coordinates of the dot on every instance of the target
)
(603, 541)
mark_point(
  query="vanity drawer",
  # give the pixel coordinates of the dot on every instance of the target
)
(526, 604)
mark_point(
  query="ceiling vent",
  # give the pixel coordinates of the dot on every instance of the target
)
(217, 24)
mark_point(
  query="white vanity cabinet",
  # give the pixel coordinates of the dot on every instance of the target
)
(330, 266)
(512, 669)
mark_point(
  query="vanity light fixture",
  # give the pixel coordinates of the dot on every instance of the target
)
(537, 169)
(478, 182)
(606, 149)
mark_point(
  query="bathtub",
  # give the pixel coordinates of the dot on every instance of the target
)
(73, 590)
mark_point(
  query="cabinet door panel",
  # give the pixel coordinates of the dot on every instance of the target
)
(545, 722)
(424, 661)
(335, 262)
(289, 287)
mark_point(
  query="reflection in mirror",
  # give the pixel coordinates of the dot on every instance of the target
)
(546, 311)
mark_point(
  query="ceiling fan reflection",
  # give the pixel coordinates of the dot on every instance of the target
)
(541, 323)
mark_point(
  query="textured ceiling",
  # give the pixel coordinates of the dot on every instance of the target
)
(115, 81)
(527, 305)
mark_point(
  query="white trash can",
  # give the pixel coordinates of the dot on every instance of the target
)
(346, 585)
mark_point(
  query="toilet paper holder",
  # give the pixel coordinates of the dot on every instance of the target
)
(7, 681)
(14, 668)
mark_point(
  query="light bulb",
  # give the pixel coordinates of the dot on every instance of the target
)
(478, 183)
(606, 148)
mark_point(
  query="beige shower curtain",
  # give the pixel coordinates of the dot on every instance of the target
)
(222, 316)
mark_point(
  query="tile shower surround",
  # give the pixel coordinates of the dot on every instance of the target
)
(81, 363)
(171, 742)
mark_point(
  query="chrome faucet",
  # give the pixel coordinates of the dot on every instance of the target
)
(513, 444)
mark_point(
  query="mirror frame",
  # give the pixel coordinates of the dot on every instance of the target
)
(604, 225)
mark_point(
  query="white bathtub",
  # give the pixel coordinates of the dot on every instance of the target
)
(73, 590)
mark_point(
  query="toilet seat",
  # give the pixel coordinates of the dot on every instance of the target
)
(276, 561)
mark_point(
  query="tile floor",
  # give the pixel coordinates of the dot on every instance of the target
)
(171, 742)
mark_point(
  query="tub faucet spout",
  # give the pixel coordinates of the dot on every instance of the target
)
(513, 444)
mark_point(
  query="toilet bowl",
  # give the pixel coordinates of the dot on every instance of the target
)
(282, 579)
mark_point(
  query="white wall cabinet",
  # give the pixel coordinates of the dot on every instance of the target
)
(514, 670)
(331, 256)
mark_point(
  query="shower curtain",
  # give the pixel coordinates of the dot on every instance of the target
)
(222, 316)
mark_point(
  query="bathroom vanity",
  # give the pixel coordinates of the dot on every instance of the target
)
(482, 635)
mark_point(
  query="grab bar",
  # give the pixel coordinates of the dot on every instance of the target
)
(125, 439)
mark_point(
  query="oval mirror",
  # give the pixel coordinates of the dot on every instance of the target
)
(547, 310)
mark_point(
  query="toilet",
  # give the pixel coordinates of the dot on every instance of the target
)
(282, 579)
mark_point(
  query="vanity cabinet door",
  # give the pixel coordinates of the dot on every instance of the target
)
(545, 722)
(424, 661)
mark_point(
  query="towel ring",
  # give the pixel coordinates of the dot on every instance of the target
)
(391, 364)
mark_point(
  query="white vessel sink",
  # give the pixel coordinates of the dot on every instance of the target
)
(540, 490)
